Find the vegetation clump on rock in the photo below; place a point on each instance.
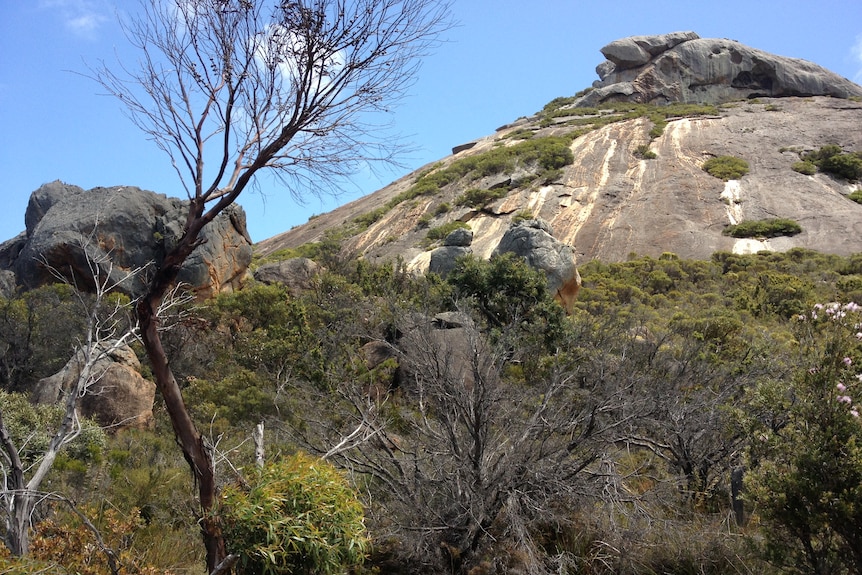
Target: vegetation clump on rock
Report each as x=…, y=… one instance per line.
x=831, y=159
x=726, y=167
x=769, y=228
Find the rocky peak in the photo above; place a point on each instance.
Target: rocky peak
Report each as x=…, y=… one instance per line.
x=683, y=67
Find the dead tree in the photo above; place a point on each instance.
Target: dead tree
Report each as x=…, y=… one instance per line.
x=231, y=88
x=107, y=330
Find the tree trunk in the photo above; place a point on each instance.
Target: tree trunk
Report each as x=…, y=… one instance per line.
x=19, y=500
x=195, y=452
x=18, y=524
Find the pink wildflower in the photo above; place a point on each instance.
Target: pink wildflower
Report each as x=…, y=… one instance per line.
x=845, y=399
x=854, y=412
x=841, y=387
x=848, y=361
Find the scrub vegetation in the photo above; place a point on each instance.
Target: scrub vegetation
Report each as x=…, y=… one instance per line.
x=502, y=436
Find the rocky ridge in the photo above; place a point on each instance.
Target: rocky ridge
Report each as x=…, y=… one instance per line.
x=612, y=200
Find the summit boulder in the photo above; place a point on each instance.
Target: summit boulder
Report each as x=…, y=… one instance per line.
x=682, y=67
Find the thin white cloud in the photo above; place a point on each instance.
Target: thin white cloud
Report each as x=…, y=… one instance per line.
x=82, y=18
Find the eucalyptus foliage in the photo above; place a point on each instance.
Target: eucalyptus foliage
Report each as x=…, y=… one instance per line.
x=297, y=515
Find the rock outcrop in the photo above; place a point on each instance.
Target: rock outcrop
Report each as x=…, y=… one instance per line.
x=127, y=228
x=455, y=245
x=534, y=241
x=120, y=398
x=682, y=67
x=297, y=274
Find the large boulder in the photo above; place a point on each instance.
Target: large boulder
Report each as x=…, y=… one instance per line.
x=455, y=245
x=119, y=398
x=682, y=67
x=124, y=228
x=298, y=275
x=534, y=241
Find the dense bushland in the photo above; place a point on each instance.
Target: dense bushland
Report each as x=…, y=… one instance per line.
x=486, y=432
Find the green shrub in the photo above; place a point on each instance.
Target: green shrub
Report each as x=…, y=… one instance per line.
x=479, y=198
x=298, y=515
x=804, y=167
x=31, y=427
x=522, y=215
x=770, y=228
x=847, y=166
x=645, y=153
x=832, y=160
x=805, y=463
x=726, y=167
x=440, y=232
x=825, y=152
x=856, y=196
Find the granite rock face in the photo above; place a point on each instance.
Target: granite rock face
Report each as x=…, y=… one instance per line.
x=534, y=241
x=124, y=228
x=297, y=274
x=120, y=398
x=682, y=67
x=455, y=245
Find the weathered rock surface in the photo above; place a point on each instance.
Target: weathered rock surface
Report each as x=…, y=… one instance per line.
x=7, y=284
x=120, y=398
x=610, y=203
x=682, y=67
x=455, y=245
x=297, y=274
x=533, y=240
x=126, y=227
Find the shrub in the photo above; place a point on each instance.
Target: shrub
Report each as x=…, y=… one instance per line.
x=479, y=198
x=847, y=166
x=726, y=167
x=298, y=515
x=440, y=232
x=856, y=196
x=522, y=215
x=804, y=167
x=825, y=152
x=645, y=153
x=806, y=462
x=832, y=160
x=770, y=228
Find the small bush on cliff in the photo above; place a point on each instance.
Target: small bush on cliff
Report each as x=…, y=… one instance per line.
x=295, y=516
x=479, y=198
x=847, y=166
x=726, y=167
x=833, y=160
x=770, y=228
x=856, y=196
x=440, y=232
x=643, y=152
x=804, y=167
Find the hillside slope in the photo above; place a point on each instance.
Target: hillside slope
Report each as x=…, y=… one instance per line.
x=609, y=202
x=633, y=181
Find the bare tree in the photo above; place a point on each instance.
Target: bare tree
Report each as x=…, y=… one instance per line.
x=231, y=88
x=466, y=455
x=108, y=329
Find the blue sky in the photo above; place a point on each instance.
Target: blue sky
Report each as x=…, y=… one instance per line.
x=505, y=59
